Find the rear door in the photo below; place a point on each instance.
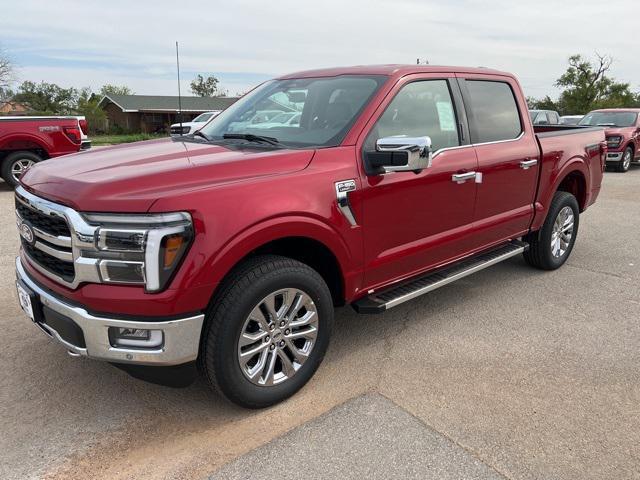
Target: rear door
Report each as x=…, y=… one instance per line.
x=413, y=221
x=507, y=154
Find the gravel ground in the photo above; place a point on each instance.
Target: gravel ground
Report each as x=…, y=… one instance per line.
x=533, y=374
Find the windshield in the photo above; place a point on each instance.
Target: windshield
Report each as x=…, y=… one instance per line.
x=203, y=117
x=304, y=112
x=609, y=119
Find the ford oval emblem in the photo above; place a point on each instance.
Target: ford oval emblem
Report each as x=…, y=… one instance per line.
x=26, y=232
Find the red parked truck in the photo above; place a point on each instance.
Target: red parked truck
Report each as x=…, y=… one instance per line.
x=25, y=141
x=622, y=132
x=229, y=249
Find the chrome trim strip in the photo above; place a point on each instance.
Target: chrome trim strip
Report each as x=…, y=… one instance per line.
x=181, y=336
x=409, y=296
x=59, y=254
x=54, y=240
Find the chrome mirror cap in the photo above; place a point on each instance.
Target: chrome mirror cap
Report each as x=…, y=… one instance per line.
x=419, y=154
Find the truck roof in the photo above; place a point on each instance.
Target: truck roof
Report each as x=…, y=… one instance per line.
x=398, y=70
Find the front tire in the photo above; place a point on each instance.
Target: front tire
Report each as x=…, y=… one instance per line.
x=15, y=164
x=551, y=246
x=267, y=331
x=624, y=164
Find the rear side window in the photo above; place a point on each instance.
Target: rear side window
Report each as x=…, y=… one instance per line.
x=494, y=112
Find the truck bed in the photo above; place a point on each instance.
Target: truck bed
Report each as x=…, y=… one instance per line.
x=564, y=144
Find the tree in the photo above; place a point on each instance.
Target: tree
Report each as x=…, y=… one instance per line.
x=109, y=89
x=47, y=98
x=5, y=94
x=6, y=70
x=586, y=86
x=88, y=105
x=542, y=104
x=205, y=87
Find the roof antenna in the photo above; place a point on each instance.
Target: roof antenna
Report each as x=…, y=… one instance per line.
x=179, y=96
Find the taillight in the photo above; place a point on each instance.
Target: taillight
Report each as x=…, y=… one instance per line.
x=84, y=126
x=74, y=134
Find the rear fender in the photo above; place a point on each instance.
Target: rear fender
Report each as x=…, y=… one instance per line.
x=575, y=164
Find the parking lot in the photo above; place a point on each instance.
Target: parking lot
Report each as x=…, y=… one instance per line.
x=510, y=373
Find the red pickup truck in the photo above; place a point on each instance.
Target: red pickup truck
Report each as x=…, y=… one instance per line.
x=623, y=134
x=28, y=140
x=228, y=249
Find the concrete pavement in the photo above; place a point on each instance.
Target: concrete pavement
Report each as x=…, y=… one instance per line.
x=530, y=374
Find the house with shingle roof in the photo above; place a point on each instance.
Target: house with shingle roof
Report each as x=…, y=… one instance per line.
x=154, y=113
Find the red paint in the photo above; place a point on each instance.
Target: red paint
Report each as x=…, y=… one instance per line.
x=48, y=136
x=243, y=199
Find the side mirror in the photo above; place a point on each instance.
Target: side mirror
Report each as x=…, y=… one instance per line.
x=399, y=154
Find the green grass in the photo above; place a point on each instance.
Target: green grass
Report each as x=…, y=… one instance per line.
x=124, y=138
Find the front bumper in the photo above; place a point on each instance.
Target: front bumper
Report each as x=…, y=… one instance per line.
x=614, y=156
x=88, y=335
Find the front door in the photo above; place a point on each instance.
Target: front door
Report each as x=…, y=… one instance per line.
x=415, y=221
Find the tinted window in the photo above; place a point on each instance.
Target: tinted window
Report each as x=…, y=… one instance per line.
x=419, y=109
x=494, y=112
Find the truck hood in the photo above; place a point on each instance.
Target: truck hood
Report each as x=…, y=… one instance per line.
x=129, y=178
x=624, y=131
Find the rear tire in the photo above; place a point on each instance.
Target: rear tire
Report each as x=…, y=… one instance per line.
x=15, y=164
x=624, y=164
x=551, y=246
x=257, y=349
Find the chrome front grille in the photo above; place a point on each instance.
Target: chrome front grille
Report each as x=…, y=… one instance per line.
x=50, y=249
x=52, y=225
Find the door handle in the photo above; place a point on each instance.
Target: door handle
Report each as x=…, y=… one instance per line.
x=463, y=177
x=527, y=164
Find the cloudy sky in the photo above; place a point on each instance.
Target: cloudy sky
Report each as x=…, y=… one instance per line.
x=243, y=42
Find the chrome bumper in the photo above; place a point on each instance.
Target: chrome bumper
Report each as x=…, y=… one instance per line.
x=181, y=336
x=614, y=157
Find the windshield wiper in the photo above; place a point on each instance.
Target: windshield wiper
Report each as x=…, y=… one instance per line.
x=200, y=134
x=252, y=138
x=607, y=125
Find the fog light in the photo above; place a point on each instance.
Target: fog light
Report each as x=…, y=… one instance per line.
x=113, y=271
x=135, y=337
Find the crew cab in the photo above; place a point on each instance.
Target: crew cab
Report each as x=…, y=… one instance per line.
x=622, y=129
x=228, y=250
x=25, y=141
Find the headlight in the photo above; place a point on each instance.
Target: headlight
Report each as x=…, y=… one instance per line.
x=614, y=141
x=139, y=249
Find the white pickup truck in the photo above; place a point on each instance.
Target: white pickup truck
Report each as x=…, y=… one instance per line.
x=185, y=128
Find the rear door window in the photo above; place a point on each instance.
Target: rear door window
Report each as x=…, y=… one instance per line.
x=493, y=112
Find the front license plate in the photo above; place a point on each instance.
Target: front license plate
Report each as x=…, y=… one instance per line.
x=25, y=301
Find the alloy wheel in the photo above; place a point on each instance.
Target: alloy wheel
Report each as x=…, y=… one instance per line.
x=277, y=337
x=562, y=232
x=19, y=167
x=626, y=159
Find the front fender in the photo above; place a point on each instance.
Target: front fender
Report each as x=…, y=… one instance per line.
x=264, y=232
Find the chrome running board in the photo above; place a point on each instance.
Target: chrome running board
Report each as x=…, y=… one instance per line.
x=383, y=300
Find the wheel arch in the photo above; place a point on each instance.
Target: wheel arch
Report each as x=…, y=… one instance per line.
x=574, y=182
x=304, y=239
x=28, y=143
